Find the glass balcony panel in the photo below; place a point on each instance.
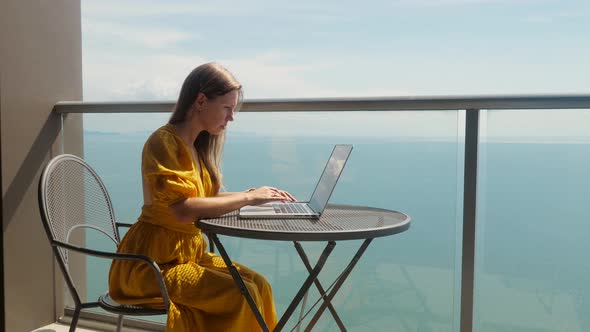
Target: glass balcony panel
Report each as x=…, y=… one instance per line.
x=406, y=161
x=531, y=266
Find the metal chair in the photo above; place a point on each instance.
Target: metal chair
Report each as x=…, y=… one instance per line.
x=72, y=198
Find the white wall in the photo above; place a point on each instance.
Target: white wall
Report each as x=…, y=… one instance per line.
x=40, y=64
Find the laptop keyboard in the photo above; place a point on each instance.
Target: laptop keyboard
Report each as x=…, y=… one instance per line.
x=289, y=208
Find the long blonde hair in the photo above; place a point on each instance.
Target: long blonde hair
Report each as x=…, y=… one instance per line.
x=213, y=81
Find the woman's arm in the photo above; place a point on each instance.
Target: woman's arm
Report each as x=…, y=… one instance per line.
x=190, y=209
x=228, y=193
x=194, y=208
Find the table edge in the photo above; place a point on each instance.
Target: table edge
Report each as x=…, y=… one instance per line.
x=278, y=235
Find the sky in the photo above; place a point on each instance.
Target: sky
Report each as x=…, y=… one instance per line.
x=142, y=50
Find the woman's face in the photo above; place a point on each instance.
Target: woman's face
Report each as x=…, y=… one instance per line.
x=216, y=113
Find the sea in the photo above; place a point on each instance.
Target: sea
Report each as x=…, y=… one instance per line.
x=533, y=224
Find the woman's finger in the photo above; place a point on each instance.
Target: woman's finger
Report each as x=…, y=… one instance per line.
x=289, y=196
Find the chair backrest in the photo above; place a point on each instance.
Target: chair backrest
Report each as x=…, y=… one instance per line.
x=72, y=198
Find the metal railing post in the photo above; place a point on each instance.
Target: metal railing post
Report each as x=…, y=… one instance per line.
x=469, y=215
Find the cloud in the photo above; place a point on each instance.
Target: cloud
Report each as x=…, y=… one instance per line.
x=131, y=77
x=263, y=75
x=158, y=88
x=153, y=37
x=458, y=2
x=552, y=17
x=142, y=8
x=219, y=8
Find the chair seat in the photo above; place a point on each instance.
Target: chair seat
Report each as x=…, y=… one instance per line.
x=108, y=304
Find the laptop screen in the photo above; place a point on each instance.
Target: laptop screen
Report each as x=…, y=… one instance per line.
x=329, y=177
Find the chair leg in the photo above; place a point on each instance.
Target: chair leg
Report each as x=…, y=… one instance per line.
x=119, y=323
x=75, y=319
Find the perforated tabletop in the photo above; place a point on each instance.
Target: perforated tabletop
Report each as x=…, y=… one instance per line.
x=338, y=222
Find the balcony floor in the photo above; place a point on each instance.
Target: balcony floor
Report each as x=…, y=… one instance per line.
x=56, y=327
x=96, y=327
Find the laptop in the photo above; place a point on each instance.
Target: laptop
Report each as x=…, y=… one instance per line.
x=316, y=205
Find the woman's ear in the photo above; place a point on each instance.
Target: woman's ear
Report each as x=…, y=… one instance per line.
x=201, y=98
x=198, y=104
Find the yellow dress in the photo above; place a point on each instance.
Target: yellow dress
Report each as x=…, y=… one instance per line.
x=202, y=293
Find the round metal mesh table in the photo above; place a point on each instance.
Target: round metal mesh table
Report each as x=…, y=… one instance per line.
x=338, y=222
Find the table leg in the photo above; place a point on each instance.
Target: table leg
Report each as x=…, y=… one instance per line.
x=305, y=287
x=338, y=284
x=318, y=285
x=240, y=282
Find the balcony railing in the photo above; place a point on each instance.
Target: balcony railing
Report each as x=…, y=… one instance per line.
x=475, y=122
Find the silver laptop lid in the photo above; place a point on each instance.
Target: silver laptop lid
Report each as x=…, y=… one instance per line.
x=329, y=178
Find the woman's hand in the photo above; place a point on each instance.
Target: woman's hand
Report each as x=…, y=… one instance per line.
x=268, y=194
x=193, y=208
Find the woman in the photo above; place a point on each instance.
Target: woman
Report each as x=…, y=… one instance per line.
x=181, y=183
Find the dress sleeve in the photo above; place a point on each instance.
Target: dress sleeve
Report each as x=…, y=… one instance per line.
x=167, y=166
